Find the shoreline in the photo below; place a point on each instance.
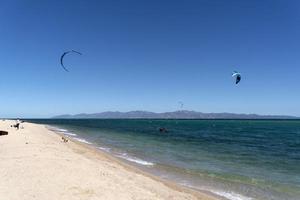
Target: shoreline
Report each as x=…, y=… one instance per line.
x=183, y=157
x=138, y=183
x=132, y=167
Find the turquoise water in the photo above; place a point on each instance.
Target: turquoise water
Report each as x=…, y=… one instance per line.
x=236, y=159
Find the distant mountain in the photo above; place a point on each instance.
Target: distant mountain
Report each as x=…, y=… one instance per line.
x=181, y=114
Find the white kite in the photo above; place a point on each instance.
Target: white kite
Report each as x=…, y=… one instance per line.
x=237, y=76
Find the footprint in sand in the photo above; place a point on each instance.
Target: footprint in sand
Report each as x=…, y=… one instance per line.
x=104, y=174
x=77, y=191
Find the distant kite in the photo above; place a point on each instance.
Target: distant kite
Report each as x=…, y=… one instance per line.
x=237, y=76
x=62, y=58
x=181, y=104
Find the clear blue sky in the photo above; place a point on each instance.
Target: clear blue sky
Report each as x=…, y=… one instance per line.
x=148, y=55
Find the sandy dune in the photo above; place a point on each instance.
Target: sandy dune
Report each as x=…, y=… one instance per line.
x=36, y=164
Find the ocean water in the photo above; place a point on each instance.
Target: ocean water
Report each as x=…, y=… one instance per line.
x=235, y=159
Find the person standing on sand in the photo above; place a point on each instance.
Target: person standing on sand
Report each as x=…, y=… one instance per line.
x=17, y=125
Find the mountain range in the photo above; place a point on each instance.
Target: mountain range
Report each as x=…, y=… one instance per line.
x=180, y=114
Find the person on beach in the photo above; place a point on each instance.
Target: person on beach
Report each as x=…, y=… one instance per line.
x=17, y=126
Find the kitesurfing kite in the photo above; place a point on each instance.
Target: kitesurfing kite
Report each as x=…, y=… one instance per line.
x=181, y=104
x=237, y=76
x=62, y=58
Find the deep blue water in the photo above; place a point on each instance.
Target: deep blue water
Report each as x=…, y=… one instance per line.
x=237, y=159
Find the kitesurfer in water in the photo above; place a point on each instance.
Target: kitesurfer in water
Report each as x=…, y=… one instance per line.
x=163, y=130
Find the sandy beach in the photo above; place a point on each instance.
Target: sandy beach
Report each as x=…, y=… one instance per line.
x=36, y=164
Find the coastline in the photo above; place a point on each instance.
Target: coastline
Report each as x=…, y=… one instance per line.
x=38, y=165
x=133, y=168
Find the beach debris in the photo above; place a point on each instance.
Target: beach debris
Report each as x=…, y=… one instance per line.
x=237, y=76
x=64, y=139
x=3, y=133
x=62, y=58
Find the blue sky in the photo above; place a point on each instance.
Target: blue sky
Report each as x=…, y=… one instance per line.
x=148, y=55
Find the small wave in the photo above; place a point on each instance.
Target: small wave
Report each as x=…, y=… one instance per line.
x=104, y=149
x=231, y=195
x=82, y=140
x=61, y=130
x=227, y=195
x=64, y=131
x=136, y=160
x=70, y=134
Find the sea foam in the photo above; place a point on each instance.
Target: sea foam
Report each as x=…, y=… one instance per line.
x=82, y=140
x=70, y=134
x=231, y=195
x=64, y=131
x=61, y=130
x=135, y=160
x=104, y=149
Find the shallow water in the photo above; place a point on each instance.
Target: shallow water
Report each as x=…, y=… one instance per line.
x=236, y=159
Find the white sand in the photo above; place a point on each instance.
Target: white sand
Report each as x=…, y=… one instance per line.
x=36, y=164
